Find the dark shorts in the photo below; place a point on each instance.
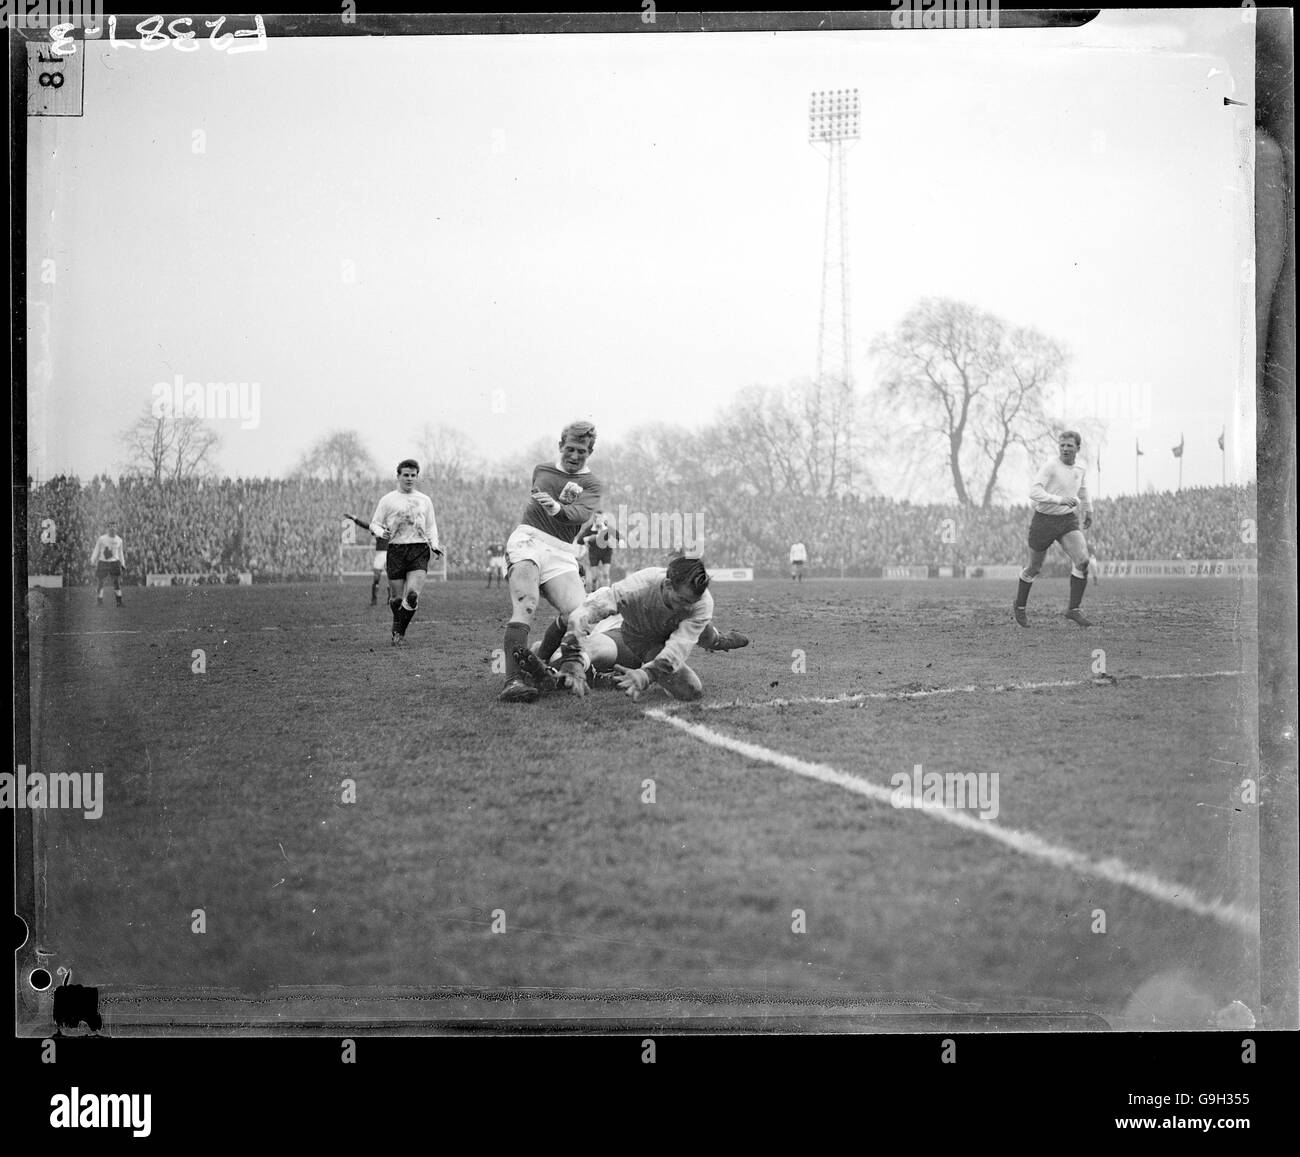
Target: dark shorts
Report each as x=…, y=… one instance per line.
x=1045, y=529
x=627, y=655
x=600, y=556
x=108, y=570
x=406, y=557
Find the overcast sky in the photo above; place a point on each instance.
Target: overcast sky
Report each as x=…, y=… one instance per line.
x=382, y=232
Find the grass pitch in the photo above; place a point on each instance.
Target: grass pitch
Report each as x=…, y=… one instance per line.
x=512, y=848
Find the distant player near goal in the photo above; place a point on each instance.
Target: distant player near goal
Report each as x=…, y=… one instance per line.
x=378, y=564
x=798, y=557
x=540, y=552
x=600, y=552
x=496, y=563
x=108, y=556
x=405, y=518
x=1057, y=495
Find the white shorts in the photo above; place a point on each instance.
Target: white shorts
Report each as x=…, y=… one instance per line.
x=380, y=561
x=553, y=557
x=497, y=563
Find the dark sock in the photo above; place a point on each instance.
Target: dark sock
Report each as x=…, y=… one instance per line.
x=551, y=640
x=1076, y=590
x=374, y=591
x=404, y=619
x=395, y=605
x=516, y=637
x=1022, y=594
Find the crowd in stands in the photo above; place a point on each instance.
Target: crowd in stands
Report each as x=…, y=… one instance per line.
x=292, y=529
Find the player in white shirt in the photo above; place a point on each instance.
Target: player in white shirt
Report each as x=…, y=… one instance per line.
x=1058, y=493
x=798, y=556
x=108, y=556
x=637, y=632
x=405, y=518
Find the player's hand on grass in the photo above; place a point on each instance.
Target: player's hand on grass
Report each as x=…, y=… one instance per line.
x=631, y=682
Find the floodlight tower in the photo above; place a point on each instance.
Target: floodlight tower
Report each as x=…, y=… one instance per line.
x=833, y=120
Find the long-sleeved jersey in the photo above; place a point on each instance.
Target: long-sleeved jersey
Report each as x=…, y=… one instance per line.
x=647, y=621
x=1057, y=481
x=108, y=548
x=406, y=517
x=578, y=495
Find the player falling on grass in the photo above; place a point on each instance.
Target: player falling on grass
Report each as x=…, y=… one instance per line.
x=635, y=634
x=405, y=518
x=108, y=556
x=378, y=564
x=496, y=563
x=540, y=552
x=1057, y=494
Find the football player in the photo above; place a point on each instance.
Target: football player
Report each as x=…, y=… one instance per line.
x=1057, y=494
x=404, y=517
x=635, y=633
x=540, y=553
x=798, y=557
x=108, y=556
x=496, y=563
x=378, y=564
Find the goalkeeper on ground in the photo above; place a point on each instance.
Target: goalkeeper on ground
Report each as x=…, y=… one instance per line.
x=633, y=634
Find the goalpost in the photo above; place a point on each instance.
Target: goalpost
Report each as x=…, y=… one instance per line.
x=356, y=561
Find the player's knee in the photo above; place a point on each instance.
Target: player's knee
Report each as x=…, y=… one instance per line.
x=1030, y=573
x=526, y=604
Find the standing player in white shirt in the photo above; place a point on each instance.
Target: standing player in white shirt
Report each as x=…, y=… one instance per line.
x=108, y=556
x=1057, y=495
x=405, y=518
x=798, y=556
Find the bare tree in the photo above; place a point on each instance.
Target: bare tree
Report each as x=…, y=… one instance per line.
x=338, y=457
x=963, y=381
x=445, y=453
x=798, y=441
x=170, y=448
x=1015, y=414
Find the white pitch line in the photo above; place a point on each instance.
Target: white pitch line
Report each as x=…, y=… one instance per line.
x=1174, y=894
x=996, y=689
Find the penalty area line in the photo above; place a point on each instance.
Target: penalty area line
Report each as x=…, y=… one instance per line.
x=1113, y=870
x=968, y=689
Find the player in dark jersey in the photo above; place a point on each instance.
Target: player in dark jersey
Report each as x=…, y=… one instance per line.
x=541, y=554
x=378, y=563
x=600, y=553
